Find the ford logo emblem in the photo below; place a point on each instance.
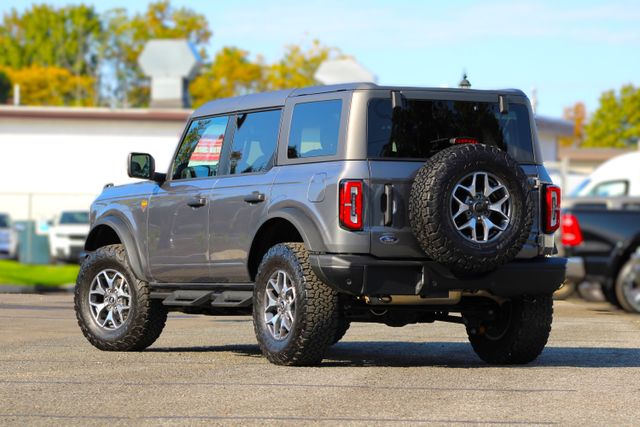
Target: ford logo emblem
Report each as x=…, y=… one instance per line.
x=388, y=239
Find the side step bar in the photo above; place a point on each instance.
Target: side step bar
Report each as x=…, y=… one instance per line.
x=203, y=295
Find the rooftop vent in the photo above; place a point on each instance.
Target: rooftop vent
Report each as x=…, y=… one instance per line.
x=338, y=71
x=171, y=64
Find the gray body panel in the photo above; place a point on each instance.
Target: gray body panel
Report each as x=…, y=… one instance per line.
x=177, y=233
x=174, y=242
x=234, y=222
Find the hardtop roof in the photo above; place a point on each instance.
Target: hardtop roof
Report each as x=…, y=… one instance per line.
x=278, y=98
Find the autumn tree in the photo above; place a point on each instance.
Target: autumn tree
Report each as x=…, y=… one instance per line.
x=51, y=86
x=230, y=73
x=616, y=122
x=577, y=114
x=126, y=36
x=45, y=36
x=298, y=66
x=97, y=56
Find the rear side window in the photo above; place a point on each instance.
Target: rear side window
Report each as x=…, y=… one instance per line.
x=428, y=126
x=254, y=142
x=4, y=221
x=314, y=129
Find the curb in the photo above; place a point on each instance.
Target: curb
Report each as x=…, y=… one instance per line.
x=36, y=289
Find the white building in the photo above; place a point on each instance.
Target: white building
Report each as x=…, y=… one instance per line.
x=550, y=130
x=60, y=158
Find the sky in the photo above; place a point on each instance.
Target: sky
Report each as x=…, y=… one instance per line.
x=568, y=51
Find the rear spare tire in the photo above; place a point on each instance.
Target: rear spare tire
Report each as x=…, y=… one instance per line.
x=470, y=208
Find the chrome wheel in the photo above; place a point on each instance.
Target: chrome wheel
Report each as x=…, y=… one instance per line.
x=481, y=207
x=110, y=299
x=631, y=284
x=279, y=303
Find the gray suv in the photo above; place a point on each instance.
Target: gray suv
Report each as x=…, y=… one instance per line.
x=314, y=208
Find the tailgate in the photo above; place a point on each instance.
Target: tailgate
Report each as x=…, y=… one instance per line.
x=389, y=193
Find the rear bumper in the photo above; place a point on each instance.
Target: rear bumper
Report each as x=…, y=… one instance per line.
x=366, y=275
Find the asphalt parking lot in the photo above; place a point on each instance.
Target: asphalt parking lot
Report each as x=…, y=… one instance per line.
x=208, y=370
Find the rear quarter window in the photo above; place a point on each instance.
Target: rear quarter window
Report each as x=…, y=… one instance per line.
x=428, y=126
x=315, y=129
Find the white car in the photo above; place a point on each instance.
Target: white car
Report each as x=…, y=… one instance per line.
x=569, y=182
x=67, y=235
x=617, y=177
x=8, y=237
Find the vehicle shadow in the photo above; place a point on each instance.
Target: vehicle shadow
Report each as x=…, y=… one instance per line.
x=445, y=354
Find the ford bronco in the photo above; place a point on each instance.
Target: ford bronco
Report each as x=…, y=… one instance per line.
x=314, y=208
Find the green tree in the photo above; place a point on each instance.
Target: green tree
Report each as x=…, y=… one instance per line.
x=46, y=36
x=5, y=87
x=616, y=122
x=126, y=36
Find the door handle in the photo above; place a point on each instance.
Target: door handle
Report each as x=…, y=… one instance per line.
x=388, y=205
x=255, y=197
x=197, y=202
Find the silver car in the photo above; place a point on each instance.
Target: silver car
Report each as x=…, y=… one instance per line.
x=8, y=237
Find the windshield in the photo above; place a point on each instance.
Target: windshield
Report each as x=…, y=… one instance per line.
x=74, y=218
x=428, y=126
x=5, y=222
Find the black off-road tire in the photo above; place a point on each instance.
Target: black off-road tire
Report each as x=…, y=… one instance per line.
x=316, y=309
x=609, y=291
x=430, y=208
x=146, y=317
x=341, y=330
x=518, y=336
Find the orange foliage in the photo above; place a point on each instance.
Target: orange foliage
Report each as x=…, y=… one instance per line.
x=52, y=86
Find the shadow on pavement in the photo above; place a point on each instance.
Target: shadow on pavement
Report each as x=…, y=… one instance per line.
x=446, y=354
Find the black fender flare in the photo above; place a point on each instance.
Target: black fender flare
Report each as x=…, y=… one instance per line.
x=308, y=230
x=123, y=230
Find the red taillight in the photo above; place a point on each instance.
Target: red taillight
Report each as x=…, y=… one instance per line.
x=463, y=140
x=350, y=204
x=551, y=208
x=571, y=233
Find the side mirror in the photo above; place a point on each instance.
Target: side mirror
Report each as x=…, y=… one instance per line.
x=141, y=165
